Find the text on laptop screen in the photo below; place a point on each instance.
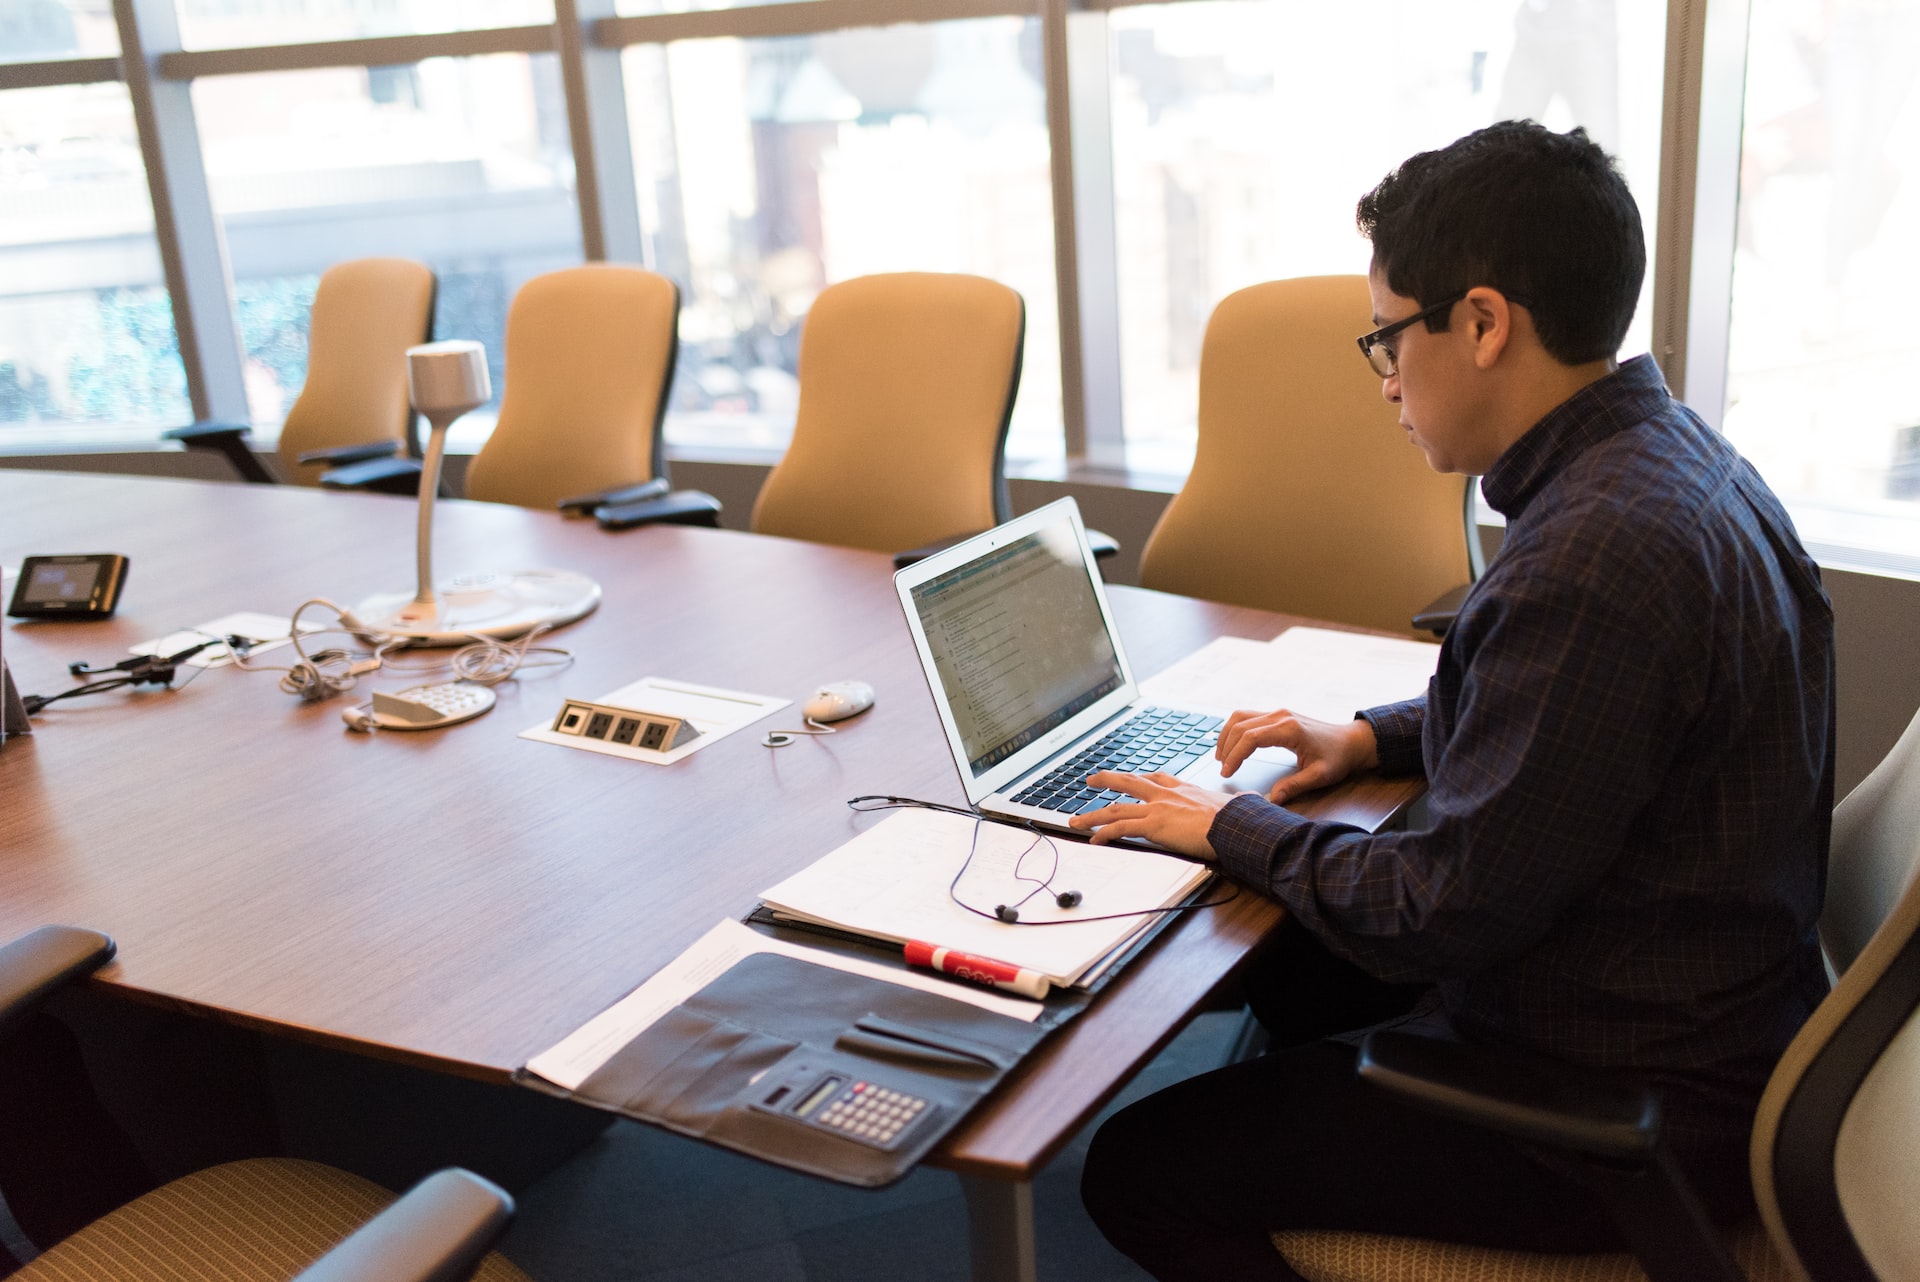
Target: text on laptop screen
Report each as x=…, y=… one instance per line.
x=1018, y=642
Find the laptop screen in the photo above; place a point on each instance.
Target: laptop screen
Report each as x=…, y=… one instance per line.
x=1018, y=641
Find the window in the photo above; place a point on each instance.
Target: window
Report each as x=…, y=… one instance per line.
x=1820, y=393
x=31, y=30
x=463, y=163
x=86, y=334
x=1244, y=131
x=769, y=169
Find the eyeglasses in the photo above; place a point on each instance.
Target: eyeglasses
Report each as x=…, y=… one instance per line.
x=1386, y=361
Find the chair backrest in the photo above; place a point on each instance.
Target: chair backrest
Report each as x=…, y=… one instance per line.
x=589, y=362
x=1305, y=496
x=907, y=382
x=366, y=313
x=1836, y=1146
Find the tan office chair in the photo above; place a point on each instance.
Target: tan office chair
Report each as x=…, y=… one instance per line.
x=1305, y=496
x=366, y=313
x=260, y=1220
x=590, y=357
x=907, y=383
x=590, y=354
x=1836, y=1143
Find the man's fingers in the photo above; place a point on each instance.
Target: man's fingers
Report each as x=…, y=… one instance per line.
x=1306, y=779
x=1120, y=828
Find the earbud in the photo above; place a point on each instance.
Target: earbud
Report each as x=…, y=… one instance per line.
x=1068, y=899
x=1006, y=913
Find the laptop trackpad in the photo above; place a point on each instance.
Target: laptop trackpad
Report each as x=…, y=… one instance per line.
x=1257, y=774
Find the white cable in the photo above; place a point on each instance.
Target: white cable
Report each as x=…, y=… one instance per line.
x=781, y=738
x=325, y=673
x=488, y=661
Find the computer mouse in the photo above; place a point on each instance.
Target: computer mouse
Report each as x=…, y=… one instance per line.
x=838, y=700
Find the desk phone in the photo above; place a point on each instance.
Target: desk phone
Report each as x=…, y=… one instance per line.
x=851, y=1107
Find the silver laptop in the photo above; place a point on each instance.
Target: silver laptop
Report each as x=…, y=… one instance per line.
x=1032, y=684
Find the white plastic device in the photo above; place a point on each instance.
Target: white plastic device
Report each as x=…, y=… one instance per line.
x=421, y=707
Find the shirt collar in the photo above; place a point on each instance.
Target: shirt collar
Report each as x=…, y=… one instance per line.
x=1630, y=395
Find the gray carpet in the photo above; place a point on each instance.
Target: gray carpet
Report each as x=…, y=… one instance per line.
x=642, y=1204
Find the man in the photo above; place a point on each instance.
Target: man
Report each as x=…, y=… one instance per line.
x=1628, y=744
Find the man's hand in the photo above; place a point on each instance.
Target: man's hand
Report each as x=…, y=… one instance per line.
x=1328, y=751
x=1172, y=815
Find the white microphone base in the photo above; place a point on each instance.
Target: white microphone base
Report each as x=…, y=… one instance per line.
x=502, y=605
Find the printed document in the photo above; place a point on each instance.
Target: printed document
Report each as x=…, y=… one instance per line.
x=896, y=882
x=1313, y=671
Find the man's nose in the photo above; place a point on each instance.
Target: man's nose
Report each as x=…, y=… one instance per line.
x=1390, y=389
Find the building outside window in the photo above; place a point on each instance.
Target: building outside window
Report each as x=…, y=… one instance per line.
x=1820, y=393
x=87, y=349
x=769, y=169
x=1244, y=132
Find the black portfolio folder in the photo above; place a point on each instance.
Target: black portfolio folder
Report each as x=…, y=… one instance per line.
x=758, y=1060
x=712, y=1067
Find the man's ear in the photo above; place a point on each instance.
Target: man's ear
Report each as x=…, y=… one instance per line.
x=1490, y=321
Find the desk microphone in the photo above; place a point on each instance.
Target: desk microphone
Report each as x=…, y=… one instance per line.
x=444, y=381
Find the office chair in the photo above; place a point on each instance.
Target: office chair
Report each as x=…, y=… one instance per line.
x=1836, y=1142
x=366, y=313
x=1305, y=496
x=907, y=384
x=590, y=353
x=260, y=1220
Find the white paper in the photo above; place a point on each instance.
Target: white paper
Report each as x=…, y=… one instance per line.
x=1312, y=671
x=714, y=712
x=892, y=881
x=266, y=631
x=582, y=1052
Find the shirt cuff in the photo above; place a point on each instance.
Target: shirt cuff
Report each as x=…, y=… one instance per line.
x=1396, y=735
x=1246, y=834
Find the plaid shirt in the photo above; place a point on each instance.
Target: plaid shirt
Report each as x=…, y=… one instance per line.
x=1629, y=748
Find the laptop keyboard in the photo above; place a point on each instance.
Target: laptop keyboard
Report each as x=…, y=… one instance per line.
x=1152, y=739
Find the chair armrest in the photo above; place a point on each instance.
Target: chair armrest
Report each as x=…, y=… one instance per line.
x=207, y=435
x=42, y=960
x=1437, y=616
x=1603, y=1115
x=617, y=496
x=682, y=507
x=438, y=1232
x=341, y=455
x=901, y=560
x=397, y=475
x=229, y=439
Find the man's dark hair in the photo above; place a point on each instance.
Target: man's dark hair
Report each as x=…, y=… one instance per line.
x=1544, y=218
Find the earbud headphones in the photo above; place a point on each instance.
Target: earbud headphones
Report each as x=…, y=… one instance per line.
x=1010, y=913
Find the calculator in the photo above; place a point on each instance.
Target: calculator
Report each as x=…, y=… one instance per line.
x=854, y=1108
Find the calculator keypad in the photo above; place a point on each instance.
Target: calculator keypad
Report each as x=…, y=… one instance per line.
x=872, y=1114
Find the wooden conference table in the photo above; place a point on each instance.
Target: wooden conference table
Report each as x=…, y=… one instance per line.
x=462, y=899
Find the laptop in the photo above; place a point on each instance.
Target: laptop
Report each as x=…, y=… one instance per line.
x=1033, y=687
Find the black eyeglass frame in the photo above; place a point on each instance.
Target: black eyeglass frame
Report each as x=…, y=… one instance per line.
x=1379, y=337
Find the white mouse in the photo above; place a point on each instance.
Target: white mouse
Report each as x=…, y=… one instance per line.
x=838, y=700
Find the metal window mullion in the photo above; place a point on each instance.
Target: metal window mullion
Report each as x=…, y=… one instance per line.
x=193, y=249
x=602, y=145
x=796, y=18
x=1090, y=223
x=370, y=51
x=1057, y=62
x=61, y=71
x=1716, y=207
x=1701, y=122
